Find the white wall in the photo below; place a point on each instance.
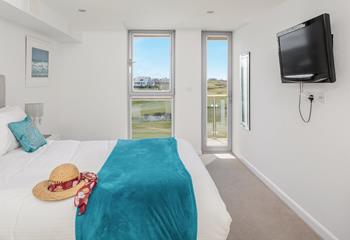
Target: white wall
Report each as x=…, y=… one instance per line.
x=35, y=14
x=309, y=162
x=12, y=65
x=188, y=86
x=93, y=87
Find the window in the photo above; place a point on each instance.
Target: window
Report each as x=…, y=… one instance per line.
x=151, y=84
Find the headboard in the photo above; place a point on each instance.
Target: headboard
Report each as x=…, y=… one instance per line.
x=2, y=91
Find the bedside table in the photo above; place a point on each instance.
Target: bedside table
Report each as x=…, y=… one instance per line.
x=52, y=136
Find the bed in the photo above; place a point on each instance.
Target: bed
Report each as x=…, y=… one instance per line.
x=25, y=217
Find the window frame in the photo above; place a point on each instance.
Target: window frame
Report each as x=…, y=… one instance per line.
x=204, y=56
x=161, y=95
x=146, y=33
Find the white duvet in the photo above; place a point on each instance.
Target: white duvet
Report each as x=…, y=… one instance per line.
x=23, y=217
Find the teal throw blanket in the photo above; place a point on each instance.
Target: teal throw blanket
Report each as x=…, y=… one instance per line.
x=144, y=192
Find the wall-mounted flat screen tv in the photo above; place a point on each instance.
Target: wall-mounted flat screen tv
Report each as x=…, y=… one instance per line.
x=306, y=52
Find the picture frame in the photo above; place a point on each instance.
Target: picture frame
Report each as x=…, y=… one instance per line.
x=38, y=57
x=245, y=89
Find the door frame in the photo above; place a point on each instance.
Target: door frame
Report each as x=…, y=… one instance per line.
x=205, y=148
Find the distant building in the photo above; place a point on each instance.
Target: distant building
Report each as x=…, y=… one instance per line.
x=155, y=117
x=148, y=82
x=143, y=82
x=164, y=80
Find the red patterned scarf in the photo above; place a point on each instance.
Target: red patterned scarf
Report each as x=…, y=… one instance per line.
x=82, y=196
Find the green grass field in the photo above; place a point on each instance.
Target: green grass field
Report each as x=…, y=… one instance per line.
x=217, y=87
x=141, y=128
x=150, y=129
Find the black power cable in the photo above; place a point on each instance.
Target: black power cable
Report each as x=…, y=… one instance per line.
x=311, y=98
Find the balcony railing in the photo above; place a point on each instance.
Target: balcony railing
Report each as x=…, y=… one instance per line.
x=217, y=116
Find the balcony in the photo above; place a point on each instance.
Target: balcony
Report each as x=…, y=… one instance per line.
x=217, y=127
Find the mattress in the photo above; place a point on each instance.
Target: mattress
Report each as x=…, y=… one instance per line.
x=23, y=217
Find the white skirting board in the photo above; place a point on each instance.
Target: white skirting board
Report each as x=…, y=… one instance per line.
x=302, y=213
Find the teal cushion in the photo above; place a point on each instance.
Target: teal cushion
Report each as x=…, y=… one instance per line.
x=27, y=135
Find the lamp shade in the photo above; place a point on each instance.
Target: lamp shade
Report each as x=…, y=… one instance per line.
x=34, y=110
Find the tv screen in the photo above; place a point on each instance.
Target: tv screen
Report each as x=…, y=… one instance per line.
x=306, y=52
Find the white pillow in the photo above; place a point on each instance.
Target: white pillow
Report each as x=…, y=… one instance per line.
x=5, y=109
x=3, y=133
x=8, y=115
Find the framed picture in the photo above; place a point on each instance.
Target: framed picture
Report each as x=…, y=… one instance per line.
x=245, y=89
x=38, y=53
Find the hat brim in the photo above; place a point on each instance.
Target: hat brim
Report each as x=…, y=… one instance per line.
x=41, y=192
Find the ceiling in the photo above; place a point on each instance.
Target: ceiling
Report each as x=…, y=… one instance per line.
x=160, y=14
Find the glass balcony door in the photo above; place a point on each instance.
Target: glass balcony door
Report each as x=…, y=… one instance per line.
x=216, y=92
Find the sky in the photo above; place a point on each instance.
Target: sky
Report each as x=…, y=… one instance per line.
x=217, y=59
x=39, y=55
x=151, y=57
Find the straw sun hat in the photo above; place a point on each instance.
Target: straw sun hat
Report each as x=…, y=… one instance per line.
x=65, y=173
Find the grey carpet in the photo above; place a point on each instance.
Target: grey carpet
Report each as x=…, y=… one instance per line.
x=257, y=213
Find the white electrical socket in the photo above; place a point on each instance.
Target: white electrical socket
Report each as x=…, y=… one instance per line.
x=318, y=96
